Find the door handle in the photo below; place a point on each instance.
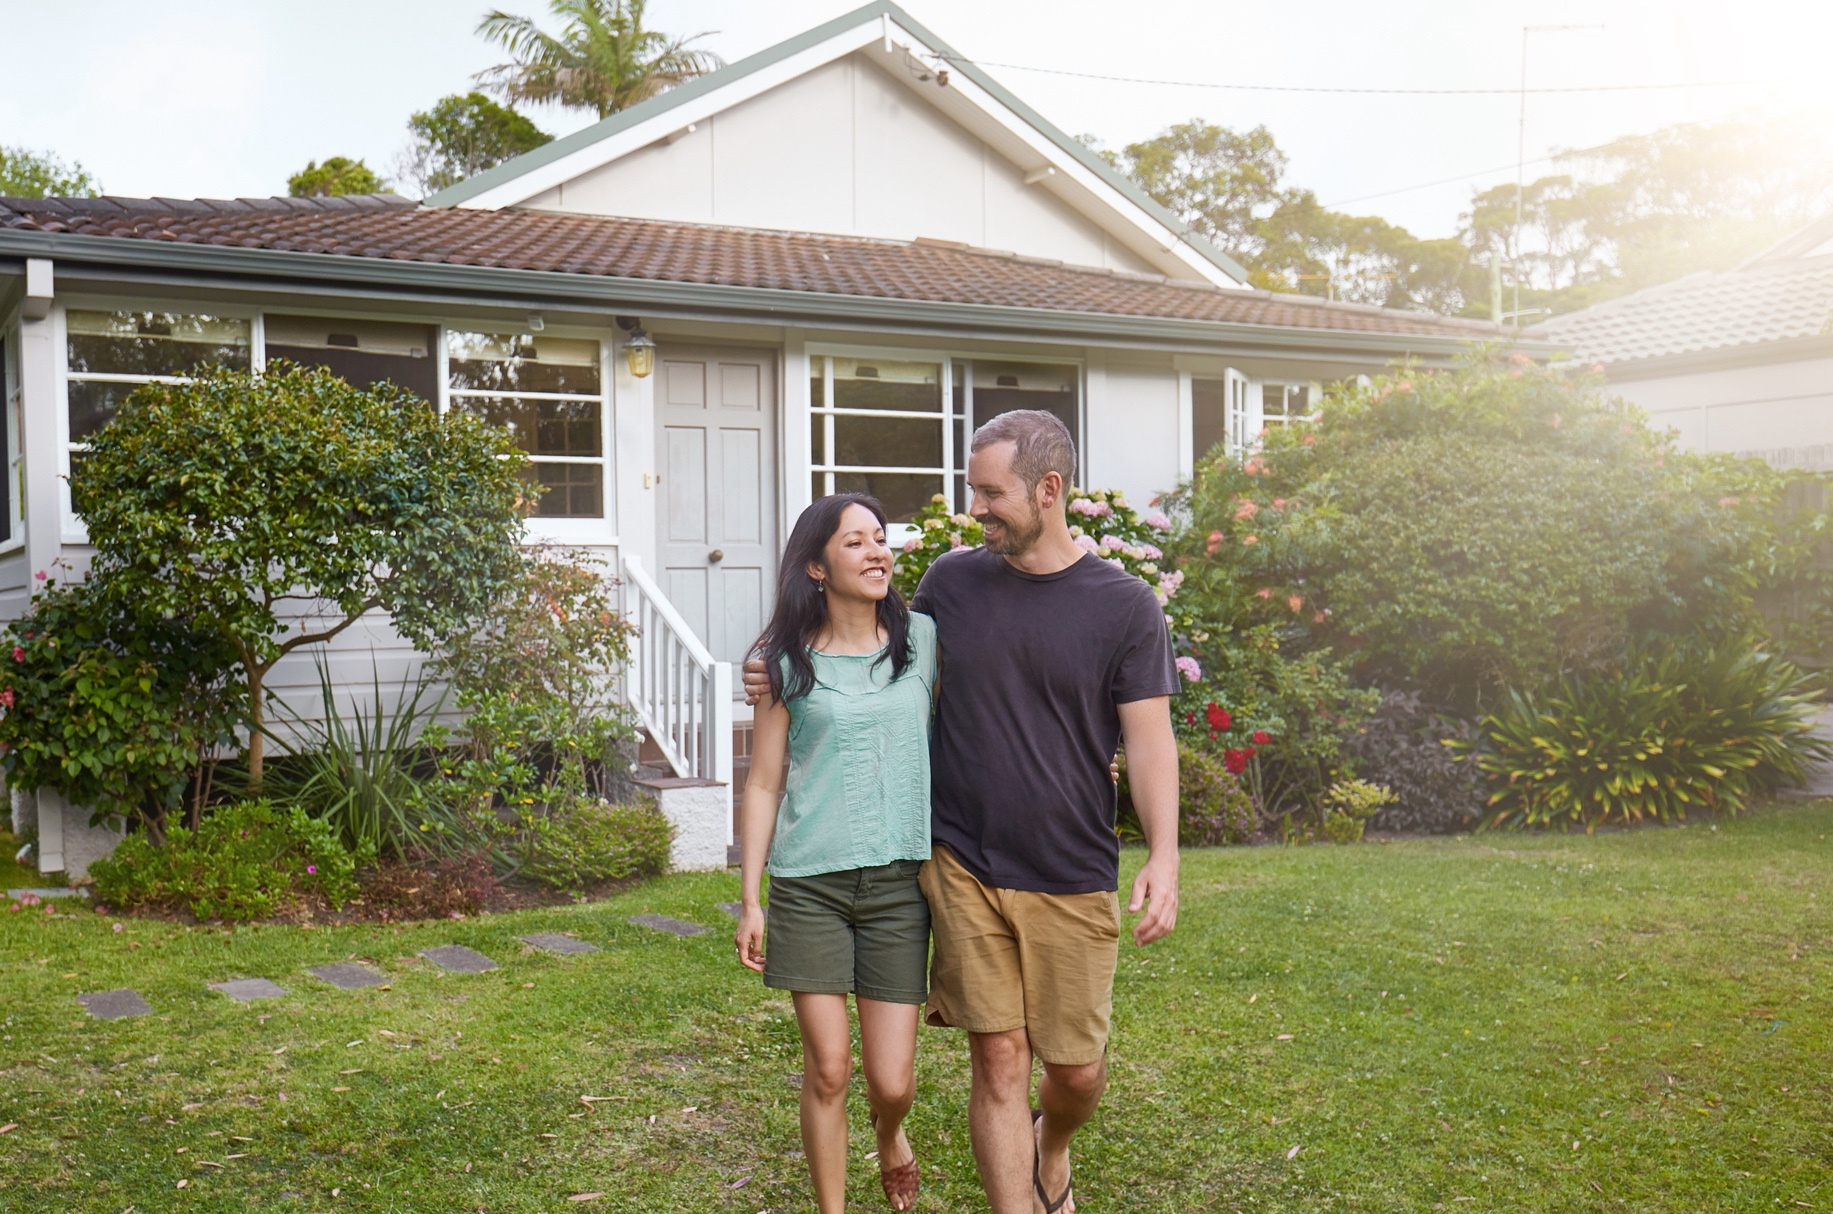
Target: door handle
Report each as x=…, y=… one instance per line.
x=716, y=555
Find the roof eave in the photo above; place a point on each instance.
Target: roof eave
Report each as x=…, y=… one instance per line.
x=762, y=303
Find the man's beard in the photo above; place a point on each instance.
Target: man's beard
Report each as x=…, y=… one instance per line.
x=1014, y=539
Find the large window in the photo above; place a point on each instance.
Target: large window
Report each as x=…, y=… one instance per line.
x=884, y=426
x=112, y=353
x=361, y=352
x=548, y=391
x=1235, y=410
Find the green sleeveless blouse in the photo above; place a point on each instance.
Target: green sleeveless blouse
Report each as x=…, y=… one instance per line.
x=857, y=793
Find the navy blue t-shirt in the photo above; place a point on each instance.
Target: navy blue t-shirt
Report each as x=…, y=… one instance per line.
x=1033, y=671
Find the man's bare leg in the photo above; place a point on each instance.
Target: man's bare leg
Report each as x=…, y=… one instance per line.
x=999, y=1119
x=1068, y=1095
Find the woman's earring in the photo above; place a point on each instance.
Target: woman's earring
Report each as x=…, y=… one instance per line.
x=820, y=586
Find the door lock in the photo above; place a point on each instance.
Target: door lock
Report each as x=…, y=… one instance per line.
x=716, y=555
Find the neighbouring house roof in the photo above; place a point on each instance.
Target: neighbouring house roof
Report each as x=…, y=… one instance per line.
x=1767, y=302
x=384, y=228
x=830, y=39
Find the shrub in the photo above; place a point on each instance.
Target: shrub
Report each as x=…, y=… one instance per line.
x=429, y=888
x=589, y=841
x=1214, y=808
x=1680, y=728
x=117, y=713
x=1402, y=745
x=244, y=861
x=1348, y=805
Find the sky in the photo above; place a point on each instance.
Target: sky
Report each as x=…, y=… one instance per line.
x=203, y=99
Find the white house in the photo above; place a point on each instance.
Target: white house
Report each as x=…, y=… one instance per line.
x=1740, y=362
x=848, y=250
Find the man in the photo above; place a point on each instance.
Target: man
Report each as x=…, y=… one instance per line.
x=1049, y=658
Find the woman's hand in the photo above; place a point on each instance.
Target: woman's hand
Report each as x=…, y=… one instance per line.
x=750, y=937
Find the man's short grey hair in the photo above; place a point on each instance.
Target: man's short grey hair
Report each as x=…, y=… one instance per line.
x=1041, y=444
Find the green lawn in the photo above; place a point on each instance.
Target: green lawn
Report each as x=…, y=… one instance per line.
x=1630, y=1022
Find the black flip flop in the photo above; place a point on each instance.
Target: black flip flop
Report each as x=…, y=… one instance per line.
x=1037, y=1178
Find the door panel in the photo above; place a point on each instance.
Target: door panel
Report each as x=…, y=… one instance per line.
x=718, y=530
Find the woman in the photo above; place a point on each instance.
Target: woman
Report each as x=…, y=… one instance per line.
x=843, y=741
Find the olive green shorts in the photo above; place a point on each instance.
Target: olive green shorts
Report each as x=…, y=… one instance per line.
x=863, y=931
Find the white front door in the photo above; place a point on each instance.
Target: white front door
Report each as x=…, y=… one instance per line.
x=716, y=437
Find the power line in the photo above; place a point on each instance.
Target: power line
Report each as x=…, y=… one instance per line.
x=1311, y=88
x=1426, y=185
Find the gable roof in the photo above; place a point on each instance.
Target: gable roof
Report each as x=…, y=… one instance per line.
x=1766, y=305
x=775, y=272
x=521, y=178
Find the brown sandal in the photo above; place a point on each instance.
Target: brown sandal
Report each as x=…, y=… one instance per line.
x=901, y=1182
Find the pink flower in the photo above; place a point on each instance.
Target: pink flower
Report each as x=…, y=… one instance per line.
x=1294, y=602
x=1247, y=509
x=311, y=868
x=18, y=654
x=1091, y=507
x=912, y=544
x=40, y=575
x=1265, y=592
x=1254, y=467
x=1252, y=539
x=1519, y=359
x=1310, y=440
x=1158, y=521
x=1117, y=563
x=1189, y=668
x=1214, y=542
x=1556, y=421
x=6, y=698
x=1279, y=503
x=118, y=927
x=1597, y=368
x=1148, y=552
x=1113, y=543
x=1404, y=387
x=1727, y=501
x=1087, y=543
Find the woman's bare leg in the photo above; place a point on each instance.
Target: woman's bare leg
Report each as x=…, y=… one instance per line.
x=827, y=1069
x=887, y=1048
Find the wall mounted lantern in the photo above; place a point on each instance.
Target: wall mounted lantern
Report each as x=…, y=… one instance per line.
x=640, y=352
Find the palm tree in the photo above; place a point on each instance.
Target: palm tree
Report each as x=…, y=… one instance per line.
x=604, y=59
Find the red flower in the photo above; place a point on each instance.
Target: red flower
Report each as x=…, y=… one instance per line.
x=1190, y=718
x=1219, y=720
x=1262, y=737
x=6, y=698
x=1235, y=761
x=18, y=654
x=1251, y=752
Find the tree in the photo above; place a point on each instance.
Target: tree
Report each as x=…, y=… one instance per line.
x=604, y=59
x=275, y=510
x=28, y=174
x=464, y=134
x=337, y=175
x=1220, y=182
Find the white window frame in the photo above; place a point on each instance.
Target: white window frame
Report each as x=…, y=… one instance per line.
x=1312, y=392
x=12, y=407
x=954, y=463
x=596, y=532
x=601, y=531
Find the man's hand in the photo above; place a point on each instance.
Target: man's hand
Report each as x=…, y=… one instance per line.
x=1155, y=890
x=757, y=682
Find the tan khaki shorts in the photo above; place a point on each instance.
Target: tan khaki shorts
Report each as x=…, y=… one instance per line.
x=1008, y=959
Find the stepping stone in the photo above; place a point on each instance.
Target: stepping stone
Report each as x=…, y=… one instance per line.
x=41, y=894
x=243, y=989
x=457, y=959
x=347, y=975
x=555, y=943
x=662, y=923
x=732, y=909
x=114, y=1005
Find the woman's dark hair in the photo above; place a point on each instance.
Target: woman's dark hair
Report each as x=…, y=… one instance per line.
x=801, y=605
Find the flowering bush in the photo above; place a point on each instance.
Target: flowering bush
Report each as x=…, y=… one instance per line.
x=1214, y=807
x=1100, y=520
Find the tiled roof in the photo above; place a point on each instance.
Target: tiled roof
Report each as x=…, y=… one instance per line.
x=1760, y=302
x=385, y=227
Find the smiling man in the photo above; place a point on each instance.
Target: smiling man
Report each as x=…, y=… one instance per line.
x=1050, y=657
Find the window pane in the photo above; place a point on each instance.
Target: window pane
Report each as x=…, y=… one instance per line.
x=93, y=405
x=573, y=490
x=896, y=442
x=901, y=493
x=511, y=362
x=153, y=343
x=542, y=427
x=1208, y=414
x=818, y=438
x=873, y=383
x=1002, y=387
x=361, y=352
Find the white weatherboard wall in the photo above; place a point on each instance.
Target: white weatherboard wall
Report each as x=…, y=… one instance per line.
x=1780, y=411
x=844, y=149
x=1131, y=426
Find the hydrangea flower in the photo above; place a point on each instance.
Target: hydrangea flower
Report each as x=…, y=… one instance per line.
x=1112, y=543
x=1190, y=669
x=1157, y=521
x=1090, y=507
x=1117, y=563
x=1087, y=543
x=912, y=544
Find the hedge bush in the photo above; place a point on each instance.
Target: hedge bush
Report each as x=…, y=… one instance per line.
x=1402, y=745
x=588, y=841
x=245, y=861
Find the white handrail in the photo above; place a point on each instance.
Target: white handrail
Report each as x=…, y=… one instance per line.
x=681, y=695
